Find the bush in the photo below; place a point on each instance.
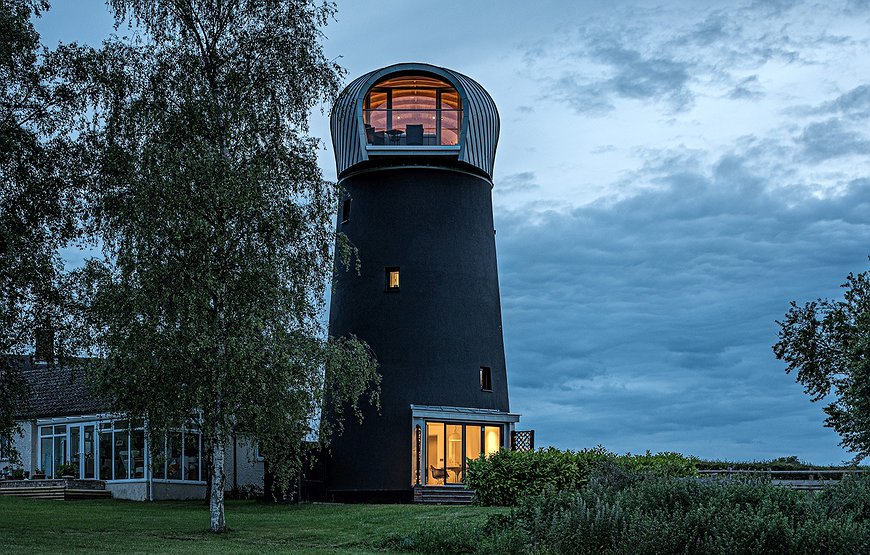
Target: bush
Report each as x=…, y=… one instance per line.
x=692, y=516
x=503, y=478
x=666, y=515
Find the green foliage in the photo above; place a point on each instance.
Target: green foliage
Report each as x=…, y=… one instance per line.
x=68, y=469
x=40, y=193
x=669, y=515
x=827, y=343
x=780, y=463
x=504, y=477
x=216, y=226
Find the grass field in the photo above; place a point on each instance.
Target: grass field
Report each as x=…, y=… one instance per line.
x=108, y=526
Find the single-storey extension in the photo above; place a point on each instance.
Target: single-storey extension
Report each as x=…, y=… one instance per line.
x=68, y=431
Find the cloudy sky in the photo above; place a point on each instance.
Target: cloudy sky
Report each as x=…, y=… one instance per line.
x=669, y=176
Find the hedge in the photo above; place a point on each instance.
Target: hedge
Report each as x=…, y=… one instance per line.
x=506, y=476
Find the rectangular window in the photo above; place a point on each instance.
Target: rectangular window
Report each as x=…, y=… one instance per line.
x=122, y=455
x=455, y=458
x=436, y=471
x=392, y=275
x=345, y=211
x=158, y=461
x=485, y=378
x=137, y=453
x=492, y=439
x=472, y=442
x=173, y=471
x=191, y=457
x=105, y=454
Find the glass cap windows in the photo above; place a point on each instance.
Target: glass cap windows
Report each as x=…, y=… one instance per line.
x=412, y=111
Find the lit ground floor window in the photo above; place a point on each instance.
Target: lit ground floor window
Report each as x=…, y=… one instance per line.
x=449, y=445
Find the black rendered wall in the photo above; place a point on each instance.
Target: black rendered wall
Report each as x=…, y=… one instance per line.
x=432, y=336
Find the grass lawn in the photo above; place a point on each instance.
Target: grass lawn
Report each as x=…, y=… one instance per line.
x=109, y=526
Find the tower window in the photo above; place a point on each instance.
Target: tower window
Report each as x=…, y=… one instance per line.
x=345, y=211
x=392, y=279
x=485, y=378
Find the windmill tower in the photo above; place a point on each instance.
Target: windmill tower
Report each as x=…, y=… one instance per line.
x=415, y=147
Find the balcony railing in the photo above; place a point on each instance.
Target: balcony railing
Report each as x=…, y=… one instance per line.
x=412, y=128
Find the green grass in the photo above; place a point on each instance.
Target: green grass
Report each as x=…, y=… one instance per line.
x=108, y=526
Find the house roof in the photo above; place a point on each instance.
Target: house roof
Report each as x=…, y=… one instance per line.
x=56, y=390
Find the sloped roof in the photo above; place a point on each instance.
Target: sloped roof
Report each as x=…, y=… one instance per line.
x=56, y=390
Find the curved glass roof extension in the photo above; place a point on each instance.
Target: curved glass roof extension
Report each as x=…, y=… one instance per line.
x=412, y=112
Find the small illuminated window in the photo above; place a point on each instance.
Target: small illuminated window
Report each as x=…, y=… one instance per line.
x=345, y=211
x=392, y=275
x=485, y=378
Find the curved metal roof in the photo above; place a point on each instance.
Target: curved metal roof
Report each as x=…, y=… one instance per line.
x=480, y=122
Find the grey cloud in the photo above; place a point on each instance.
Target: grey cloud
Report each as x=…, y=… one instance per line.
x=747, y=88
x=633, y=76
x=646, y=322
x=855, y=102
x=647, y=77
x=831, y=139
x=515, y=183
x=627, y=57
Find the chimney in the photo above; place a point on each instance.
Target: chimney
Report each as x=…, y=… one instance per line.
x=44, y=344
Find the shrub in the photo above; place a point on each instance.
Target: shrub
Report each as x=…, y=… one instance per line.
x=686, y=515
x=506, y=476
x=68, y=469
x=501, y=478
x=666, y=515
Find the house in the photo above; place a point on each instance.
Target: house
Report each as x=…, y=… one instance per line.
x=65, y=422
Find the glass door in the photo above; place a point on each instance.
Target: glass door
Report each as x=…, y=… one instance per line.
x=455, y=458
x=88, y=457
x=75, y=445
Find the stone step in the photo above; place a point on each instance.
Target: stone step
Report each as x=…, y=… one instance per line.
x=443, y=495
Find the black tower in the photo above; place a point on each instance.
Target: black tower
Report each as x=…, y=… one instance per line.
x=415, y=146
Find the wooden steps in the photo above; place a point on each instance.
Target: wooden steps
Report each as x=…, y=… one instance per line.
x=443, y=495
x=63, y=489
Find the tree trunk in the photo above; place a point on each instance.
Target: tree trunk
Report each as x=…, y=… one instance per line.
x=216, y=503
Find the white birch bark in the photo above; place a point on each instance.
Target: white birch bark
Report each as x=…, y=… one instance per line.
x=216, y=505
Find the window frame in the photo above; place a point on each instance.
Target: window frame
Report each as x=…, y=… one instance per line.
x=486, y=379
x=110, y=427
x=424, y=448
x=345, y=210
x=388, y=270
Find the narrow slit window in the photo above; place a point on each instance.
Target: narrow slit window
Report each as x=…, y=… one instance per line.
x=485, y=378
x=345, y=211
x=392, y=275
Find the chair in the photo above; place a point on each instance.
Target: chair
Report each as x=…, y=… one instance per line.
x=373, y=137
x=437, y=473
x=413, y=134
